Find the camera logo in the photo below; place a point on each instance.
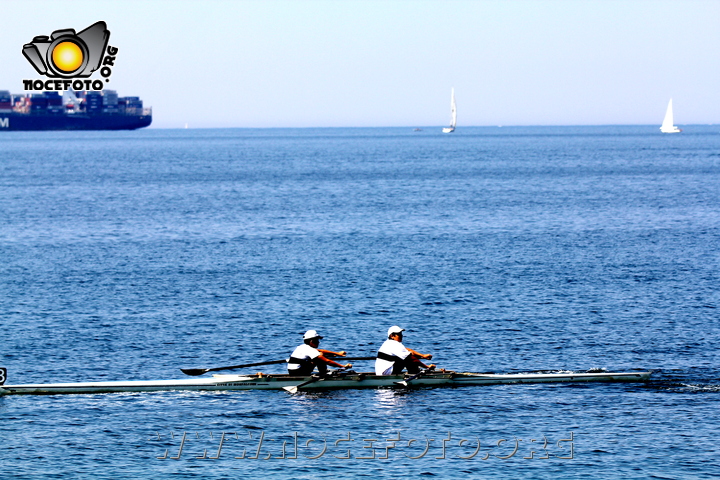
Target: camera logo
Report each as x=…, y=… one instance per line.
x=68, y=55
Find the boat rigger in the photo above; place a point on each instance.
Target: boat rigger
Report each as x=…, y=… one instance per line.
x=341, y=380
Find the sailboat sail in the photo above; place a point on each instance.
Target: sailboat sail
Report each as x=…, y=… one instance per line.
x=453, y=113
x=667, y=125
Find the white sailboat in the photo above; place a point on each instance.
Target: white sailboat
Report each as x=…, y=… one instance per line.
x=453, y=114
x=667, y=125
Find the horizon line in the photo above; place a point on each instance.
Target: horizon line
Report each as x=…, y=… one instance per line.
x=439, y=127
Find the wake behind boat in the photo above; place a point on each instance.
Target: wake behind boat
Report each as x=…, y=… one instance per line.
x=349, y=379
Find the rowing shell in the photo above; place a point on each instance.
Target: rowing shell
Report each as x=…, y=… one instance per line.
x=348, y=380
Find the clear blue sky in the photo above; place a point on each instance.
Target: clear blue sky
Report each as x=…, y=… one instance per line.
x=314, y=63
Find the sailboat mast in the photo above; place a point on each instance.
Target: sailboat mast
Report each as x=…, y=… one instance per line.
x=453, y=109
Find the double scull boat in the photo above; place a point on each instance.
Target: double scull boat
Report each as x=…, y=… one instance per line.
x=349, y=379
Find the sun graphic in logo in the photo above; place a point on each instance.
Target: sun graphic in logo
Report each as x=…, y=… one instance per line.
x=67, y=56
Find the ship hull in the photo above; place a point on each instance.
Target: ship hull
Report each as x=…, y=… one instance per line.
x=15, y=122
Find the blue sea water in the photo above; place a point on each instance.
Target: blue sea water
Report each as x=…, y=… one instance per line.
x=128, y=255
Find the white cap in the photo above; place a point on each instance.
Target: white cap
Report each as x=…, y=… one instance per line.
x=311, y=334
x=395, y=329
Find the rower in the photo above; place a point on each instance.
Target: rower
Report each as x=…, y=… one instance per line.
x=393, y=356
x=307, y=356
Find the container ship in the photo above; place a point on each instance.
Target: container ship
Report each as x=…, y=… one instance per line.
x=72, y=111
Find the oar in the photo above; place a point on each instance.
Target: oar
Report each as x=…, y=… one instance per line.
x=313, y=379
x=405, y=382
x=199, y=371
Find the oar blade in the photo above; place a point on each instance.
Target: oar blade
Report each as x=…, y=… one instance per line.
x=403, y=383
x=292, y=389
x=194, y=372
